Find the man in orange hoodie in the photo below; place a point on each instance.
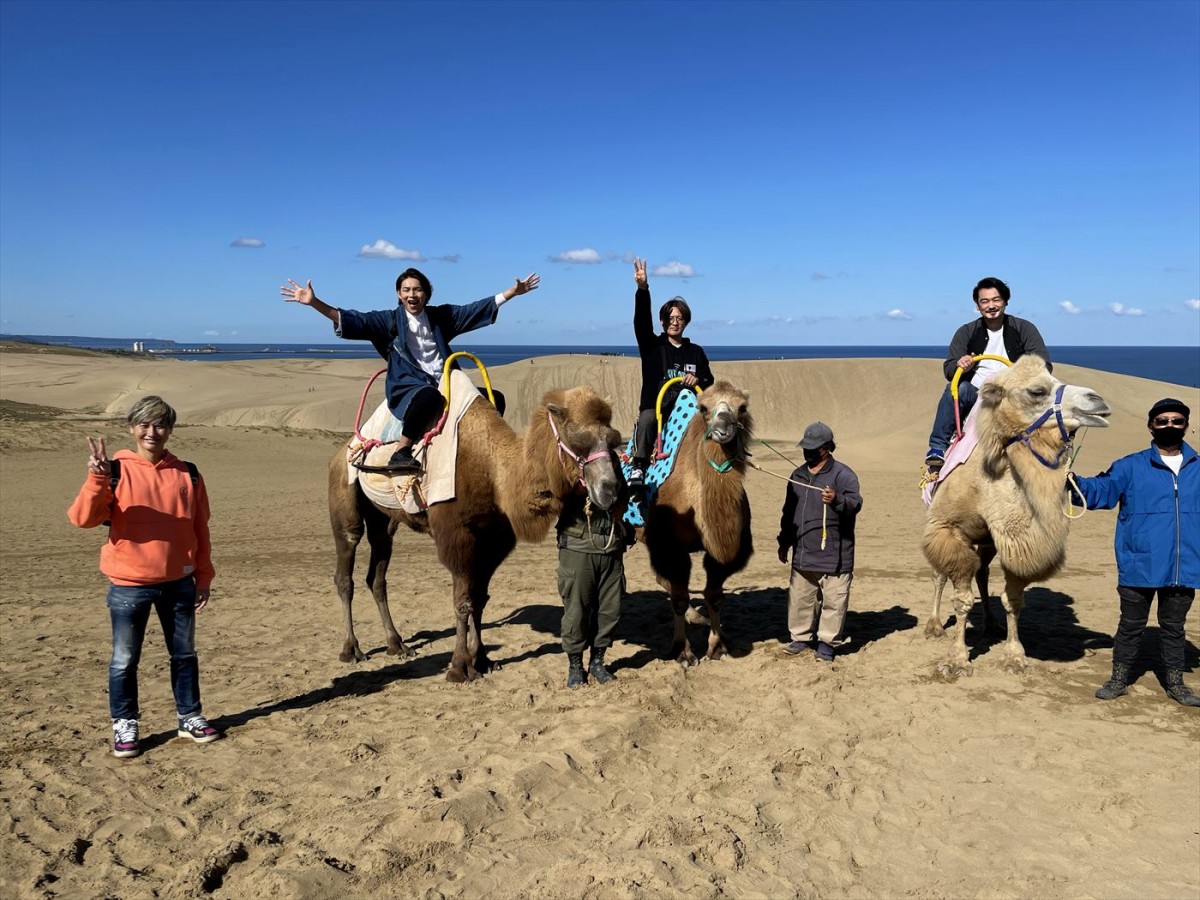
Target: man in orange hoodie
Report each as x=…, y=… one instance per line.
x=157, y=557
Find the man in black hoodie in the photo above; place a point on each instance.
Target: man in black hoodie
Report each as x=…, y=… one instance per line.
x=664, y=356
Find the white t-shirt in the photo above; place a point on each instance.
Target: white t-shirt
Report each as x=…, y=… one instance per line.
x=986, y=368
x=1174, y=463
x=419, y=338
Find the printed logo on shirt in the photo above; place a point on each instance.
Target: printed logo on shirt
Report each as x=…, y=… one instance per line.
x=690, y=369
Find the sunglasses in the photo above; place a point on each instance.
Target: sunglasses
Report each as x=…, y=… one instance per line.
x=1170, y=420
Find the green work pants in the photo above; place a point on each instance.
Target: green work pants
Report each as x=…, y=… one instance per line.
x=590, y=585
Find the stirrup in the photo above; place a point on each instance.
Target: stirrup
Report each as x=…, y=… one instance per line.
x=390, y=470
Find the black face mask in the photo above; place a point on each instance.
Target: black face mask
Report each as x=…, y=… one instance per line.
x=1168, y=437
x=812, y=457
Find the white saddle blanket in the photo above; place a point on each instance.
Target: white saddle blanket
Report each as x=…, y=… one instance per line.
x=435, y=484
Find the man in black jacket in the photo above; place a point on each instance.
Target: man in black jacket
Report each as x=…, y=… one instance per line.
x=664, y=356
x=994, y=333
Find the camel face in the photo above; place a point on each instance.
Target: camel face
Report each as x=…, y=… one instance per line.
x=582, y=421
x=726, y=411
x=1023, y=393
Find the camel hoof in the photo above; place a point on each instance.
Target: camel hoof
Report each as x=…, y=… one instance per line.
x=717, y=652
x=954, y=669
x=352, y=653
x=693, y=616
x=401, y=650
x=685, y=657
x=1017, y=666
x=458, y=676
x=934, y=629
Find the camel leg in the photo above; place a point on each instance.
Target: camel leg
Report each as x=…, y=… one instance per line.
x=934, y=628
x=1014, y=601
x=956, y=558
x=466, y=633
x=714, y=600
x=681, y=650
x=346, y=520
x=381, y=532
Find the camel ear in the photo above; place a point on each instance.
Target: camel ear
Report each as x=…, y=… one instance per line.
x=559, y=412
x=991, y=394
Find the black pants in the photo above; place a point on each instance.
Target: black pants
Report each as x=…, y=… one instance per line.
x=425, y=408
x=1173, y=606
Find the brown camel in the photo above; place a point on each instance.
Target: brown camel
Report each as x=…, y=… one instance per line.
x=506, y=490
x=702, y=506
x=1009, y=494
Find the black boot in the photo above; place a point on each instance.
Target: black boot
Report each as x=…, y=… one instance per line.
x=596, y=667
x=1178, y=691
x=575, y=674
x=1117, y=685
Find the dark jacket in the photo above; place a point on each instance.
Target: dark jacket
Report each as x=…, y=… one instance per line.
x=662, y=360
x=387, y=331
x=602, y=532
x=800, y=524
x=1020, y=337
x=1157, y=540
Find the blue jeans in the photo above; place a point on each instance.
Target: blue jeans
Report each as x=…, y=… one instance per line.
x=129, y=607
x=943, y=420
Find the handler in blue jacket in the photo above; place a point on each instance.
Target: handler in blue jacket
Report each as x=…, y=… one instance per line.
x=1157, y=542
x=415, y=340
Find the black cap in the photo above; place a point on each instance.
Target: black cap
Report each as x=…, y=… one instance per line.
x=1168, y=404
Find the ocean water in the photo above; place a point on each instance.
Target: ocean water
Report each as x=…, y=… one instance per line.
x=1177, y=365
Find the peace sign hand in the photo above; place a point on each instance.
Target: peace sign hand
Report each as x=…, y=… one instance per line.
x=639, y=272
x=98, y=463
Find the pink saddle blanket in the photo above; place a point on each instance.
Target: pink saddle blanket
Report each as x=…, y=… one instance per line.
x=958, y=453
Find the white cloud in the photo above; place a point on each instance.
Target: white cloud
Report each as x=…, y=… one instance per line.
x=584, y=256
x=1120, y=309
x=248, y=242
x=1194, y=303
x=450, y=257
x=382, y=249
x=820, y=276
x=212, y=332
x=1068, y=307
x=898, y=314
x=674, y=269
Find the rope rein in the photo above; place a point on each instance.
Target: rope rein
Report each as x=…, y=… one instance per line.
x=811, y=487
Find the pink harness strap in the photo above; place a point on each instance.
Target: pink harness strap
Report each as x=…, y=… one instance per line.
x=564, y=449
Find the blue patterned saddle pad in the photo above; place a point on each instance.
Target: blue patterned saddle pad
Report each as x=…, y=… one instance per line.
x=676, y=425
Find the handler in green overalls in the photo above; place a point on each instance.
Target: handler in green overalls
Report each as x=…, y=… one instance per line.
x=591, y=580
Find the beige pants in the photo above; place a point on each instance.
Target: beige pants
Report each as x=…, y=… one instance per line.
x=817, y=606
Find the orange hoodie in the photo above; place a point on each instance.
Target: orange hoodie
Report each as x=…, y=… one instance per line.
x=159, y=528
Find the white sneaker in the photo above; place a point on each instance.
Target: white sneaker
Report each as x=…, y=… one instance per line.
x=125, y=738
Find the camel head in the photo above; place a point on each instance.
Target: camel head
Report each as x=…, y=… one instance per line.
x=580, y=426
x=1024, y=395
x=725, y=411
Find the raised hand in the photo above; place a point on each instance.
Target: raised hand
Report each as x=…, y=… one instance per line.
x=293, y=293
x=639, y=272
x=98, y=463
x=524, y=286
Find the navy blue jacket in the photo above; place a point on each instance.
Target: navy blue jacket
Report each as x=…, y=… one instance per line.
x=387, y=331
x=1158, y=526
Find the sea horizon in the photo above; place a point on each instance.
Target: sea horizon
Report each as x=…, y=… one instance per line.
x=1176, y=364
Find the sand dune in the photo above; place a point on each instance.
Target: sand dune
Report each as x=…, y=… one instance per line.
x=758, y=776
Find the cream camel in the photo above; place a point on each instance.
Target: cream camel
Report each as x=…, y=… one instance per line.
x=506, y=489
x=702, y=506
x=1009, y=492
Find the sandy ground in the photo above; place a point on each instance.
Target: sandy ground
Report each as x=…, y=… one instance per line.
x=756, y=776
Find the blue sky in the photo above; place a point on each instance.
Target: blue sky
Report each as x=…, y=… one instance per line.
x=803, y=173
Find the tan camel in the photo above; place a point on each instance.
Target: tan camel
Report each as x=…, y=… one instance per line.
x=702, y=506
x=506, y=489
x=1009, y=493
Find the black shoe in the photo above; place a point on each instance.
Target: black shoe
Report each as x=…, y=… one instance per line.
x=1178, y=691
x=637, y=477
x=1116, y=686
x=596, y=668
x=575, y=676
x=403, y=462
x=934, y=460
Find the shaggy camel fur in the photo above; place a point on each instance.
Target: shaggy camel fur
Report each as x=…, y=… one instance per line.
x=506, y=490
x=1009, y=493
x=702, y=506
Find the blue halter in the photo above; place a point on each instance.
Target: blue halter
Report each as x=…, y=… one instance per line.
x=1024, y=436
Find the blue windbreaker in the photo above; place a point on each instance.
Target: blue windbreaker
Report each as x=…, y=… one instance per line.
x=1158, y=526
